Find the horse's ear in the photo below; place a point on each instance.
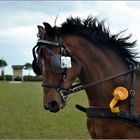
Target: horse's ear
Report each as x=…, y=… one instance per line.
x=41, y=31
x=48, y=27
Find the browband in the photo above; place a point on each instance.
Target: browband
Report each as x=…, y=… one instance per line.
x=48, y=42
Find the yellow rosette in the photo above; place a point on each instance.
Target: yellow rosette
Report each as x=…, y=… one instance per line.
x=119, y=93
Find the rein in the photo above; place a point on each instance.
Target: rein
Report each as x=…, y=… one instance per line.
x=78, y=87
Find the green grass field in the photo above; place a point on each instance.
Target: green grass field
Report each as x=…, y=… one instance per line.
x=22, y=115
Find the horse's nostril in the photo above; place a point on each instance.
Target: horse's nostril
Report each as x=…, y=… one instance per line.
x=53, y=106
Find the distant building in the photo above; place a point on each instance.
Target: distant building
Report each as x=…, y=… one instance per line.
x=17, y=72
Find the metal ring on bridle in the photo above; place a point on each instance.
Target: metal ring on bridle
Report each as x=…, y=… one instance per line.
x=132, y=92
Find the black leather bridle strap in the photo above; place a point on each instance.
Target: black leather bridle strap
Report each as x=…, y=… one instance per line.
x=132, y=93
x=50, y=85
x=33, y=51
x=48, y=42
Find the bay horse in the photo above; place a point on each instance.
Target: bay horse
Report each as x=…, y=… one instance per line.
x=107, y=69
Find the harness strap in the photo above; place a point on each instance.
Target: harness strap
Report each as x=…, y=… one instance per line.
x=132, y=94
x=50, y=85
x=106, y=113
x=48, y=42
x=33, y=51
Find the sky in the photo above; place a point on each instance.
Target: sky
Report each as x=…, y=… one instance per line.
x=19, y=20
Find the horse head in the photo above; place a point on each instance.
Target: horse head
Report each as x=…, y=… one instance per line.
x=55, y=62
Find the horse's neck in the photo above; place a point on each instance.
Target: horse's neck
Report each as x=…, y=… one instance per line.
x=98, y=63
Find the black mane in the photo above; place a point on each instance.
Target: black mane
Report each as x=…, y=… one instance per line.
x=95, y=31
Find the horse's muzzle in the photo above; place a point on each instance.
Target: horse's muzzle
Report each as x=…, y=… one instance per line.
x=52, y=106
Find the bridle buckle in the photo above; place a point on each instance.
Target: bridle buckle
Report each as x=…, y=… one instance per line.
x=64, y=94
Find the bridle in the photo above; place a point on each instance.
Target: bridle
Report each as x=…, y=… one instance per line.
x=64, y=51
x=130, y=73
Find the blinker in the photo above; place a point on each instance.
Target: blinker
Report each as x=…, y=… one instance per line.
x=59, y=63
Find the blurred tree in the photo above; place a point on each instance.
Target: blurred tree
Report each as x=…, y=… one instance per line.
x=28, y=66
x=3, y=64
